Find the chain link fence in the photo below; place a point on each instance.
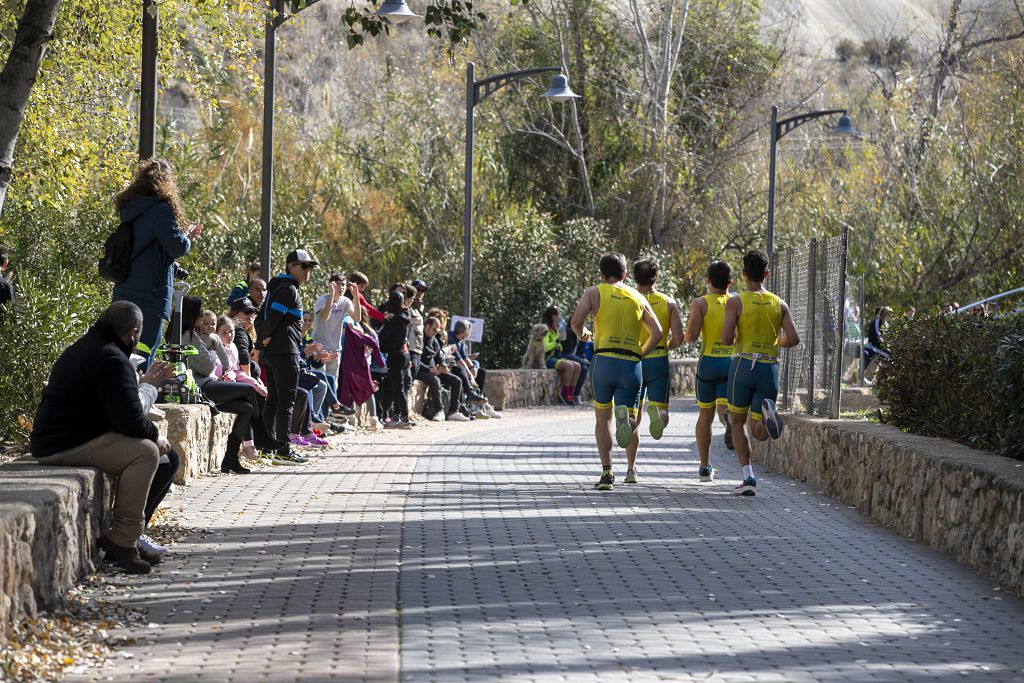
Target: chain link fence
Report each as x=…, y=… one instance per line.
x=812, y=279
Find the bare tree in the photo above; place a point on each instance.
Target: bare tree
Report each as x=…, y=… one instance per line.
x=35, y=30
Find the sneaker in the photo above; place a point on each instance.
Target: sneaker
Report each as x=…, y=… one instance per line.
x=439, y=416
x=623, y=430
x=706, y=473
x=297, y=440
x=127, y=559
x=146, y=543
x=728, y=435
x=392, y=424
x=317, y=441
x=630, y=477
x=476, y=398
x=657, y=422
x=491, y=412
x=288, y=457
x=606, y=482
x=457, y=417
x=338, y=428
x=480, y=414
x=322, y=427
x=562, y=400
x=747, y=487
x=770, y=417
x=343, y=410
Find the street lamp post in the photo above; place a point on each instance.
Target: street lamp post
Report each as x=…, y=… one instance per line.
x=477, y=92
x=147, y=93
x=394, y=12
x=778, y=130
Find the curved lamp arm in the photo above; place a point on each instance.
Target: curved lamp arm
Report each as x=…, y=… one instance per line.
x=483, y=89
x=786, y=125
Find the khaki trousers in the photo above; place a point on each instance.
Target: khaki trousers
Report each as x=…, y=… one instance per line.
x=133, y=462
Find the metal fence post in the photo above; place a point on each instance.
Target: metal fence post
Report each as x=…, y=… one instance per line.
x=812, y=286
x=787, y=369
x=860, y=338
x=837, y=383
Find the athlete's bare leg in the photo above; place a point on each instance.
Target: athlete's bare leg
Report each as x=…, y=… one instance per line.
x=739, y=437
x=704, y=421
x=603, y=434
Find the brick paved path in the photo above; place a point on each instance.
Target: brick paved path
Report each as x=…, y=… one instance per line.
x=479, y=552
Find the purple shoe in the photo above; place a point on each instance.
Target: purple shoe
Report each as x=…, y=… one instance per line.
x=298, y=440
x=315, y=440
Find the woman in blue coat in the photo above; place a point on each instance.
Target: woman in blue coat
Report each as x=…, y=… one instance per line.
x=162, y=234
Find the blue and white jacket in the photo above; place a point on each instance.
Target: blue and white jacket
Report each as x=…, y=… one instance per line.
x=280, y=320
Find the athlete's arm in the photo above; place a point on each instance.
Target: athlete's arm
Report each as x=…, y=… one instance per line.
x=696, y=321
x=650, y=321
x=789, y=336
x=733, y=309
x=675, y=323
x=584, y=309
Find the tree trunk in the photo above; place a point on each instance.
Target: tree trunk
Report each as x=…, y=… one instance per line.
x=35, y=30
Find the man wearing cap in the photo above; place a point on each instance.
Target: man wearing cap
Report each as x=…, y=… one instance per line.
x=279, y=337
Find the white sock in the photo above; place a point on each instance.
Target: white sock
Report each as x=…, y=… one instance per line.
x=748, y=471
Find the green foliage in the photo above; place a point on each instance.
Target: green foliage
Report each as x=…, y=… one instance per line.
x=957, y=377
x=522, y=264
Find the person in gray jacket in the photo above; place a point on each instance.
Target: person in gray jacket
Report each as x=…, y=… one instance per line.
x=162, y=234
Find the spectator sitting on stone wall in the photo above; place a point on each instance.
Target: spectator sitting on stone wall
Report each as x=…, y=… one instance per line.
x=241, y=288
x=434, y=373
x=90, y=416
x=467, y=369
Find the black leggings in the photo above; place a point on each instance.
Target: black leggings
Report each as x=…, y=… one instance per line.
x=237, y=399
x=396, y=403
x=161, y=484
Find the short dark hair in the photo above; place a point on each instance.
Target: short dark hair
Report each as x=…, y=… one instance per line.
x=432, y=321
x=122, y=317
x=3, y=254
x=755, y=265
x=254, y=267
x=719, y=274
x=549, y=315
x=645, y=271
x=358, y=278
x=460, y=326
x=396, y=299
x=336, y=277
x=613, y=264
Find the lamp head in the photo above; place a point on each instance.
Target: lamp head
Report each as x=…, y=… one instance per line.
x=845, y=126
x=559, y=90
x=395, y=11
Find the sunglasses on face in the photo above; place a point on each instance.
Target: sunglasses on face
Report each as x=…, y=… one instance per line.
x=306, y=266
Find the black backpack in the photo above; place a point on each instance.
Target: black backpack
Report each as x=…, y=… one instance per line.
x=116, y=259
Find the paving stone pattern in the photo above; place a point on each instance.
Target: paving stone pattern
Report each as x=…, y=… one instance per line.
x=479, y=552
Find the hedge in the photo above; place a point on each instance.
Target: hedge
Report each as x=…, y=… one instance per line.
x=958, y=377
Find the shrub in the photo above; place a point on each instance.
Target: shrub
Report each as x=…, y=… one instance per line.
x=958, y=377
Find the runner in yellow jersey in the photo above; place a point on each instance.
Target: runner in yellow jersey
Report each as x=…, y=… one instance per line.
x=707, y=313
x=656, y=386
x=753, y=322
x=620, y=313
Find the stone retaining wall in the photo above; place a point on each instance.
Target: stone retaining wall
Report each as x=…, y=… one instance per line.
x=523, y=388
x=50, y=518
x=197, y=436
x=965, y=503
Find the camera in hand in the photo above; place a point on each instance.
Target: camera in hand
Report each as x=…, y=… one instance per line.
x=179, y=272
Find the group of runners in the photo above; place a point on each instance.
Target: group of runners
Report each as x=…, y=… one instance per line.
x=737, y=374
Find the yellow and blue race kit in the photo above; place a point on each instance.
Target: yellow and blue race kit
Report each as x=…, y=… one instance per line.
x=715, y=355
x=656, y=385
x=754, y=372
x=615, y=375
x=552, y=349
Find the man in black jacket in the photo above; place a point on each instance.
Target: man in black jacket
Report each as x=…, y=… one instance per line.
x=433, y=372
x=91, y=416
x=279, y=330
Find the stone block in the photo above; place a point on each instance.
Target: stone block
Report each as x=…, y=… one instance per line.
x=50, y=518
x=199, y=438
x=966, y=503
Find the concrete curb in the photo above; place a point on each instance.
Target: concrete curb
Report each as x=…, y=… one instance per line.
x=965, y=503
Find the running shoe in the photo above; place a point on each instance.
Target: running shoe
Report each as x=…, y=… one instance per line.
x=657, y=423
x=317, y=441
x=706, y=473
x=606, y=482
x=457, y=417
x=728, y=435
x=297, y=440
x=288, y=457
x=630, y=477
x=623, y=430
x=491, y=412
x=438, y=416
x=147, y=544
x=747, y=487
x=771, y=418
x=562, y=400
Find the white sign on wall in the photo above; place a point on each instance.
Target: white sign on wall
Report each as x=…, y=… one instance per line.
x=476, y=327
